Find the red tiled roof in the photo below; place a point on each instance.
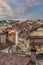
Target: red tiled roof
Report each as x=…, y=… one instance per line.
x=9, y=59
x=2, y=32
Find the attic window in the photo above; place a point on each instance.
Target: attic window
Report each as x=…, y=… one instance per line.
x=26, y=30
x=22, y=35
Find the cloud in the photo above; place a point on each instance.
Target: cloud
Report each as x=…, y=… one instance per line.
x=11, y=9
x=31, y=3
x=1, y=11
x=26, y=4
x=20, y=10
x=8, y=8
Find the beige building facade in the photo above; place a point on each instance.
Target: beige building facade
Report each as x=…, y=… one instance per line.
x=36, y=36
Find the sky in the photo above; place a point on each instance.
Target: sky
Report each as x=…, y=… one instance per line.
x=21, y=9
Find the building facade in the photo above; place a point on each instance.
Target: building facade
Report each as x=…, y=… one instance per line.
x=36, y=36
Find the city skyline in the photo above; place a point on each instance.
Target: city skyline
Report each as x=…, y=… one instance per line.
x=21, y=9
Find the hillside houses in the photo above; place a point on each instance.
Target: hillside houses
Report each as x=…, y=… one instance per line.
x=27, y=33
x=16, y=41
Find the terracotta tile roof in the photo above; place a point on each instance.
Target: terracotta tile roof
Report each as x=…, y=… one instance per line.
x=9, y=59
x=28, y=26
x=29, y=29
x=2, y=32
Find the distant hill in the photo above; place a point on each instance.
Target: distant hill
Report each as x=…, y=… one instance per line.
x=3, y=21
